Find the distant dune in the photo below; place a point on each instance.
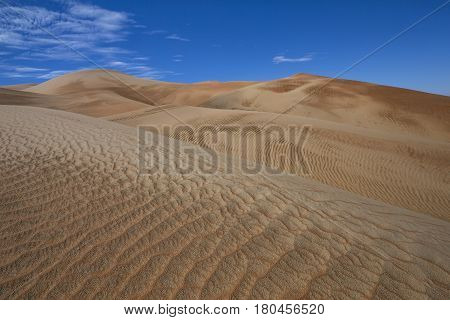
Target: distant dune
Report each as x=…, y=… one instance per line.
x=97, y=93
x=371, y=220
x=350, y=102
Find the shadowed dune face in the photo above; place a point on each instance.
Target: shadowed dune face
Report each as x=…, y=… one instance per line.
x=77, y=221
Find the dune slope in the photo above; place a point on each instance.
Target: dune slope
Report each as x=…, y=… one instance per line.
x=360, y=104
x=78, y=222
x=103, y=93
x=399, y=169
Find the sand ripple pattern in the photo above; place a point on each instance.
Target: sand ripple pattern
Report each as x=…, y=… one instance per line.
x=76, y=221
x=408, y=174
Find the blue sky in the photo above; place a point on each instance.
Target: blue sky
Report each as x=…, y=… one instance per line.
x=188, y=41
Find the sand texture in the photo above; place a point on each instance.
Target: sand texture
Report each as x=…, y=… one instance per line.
x=370, y=221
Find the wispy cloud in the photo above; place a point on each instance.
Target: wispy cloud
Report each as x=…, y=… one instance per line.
x=55, y=73
x=174, y=36
x=81, y=26
x=178, y=58
x=21, y=71
x=171, y=36
x=129, y=67
x=117, y=64
x=153, y=32
x=29, y=69
x=137, y=69
x=36, y=34
x=282, y=59
x=148, y=72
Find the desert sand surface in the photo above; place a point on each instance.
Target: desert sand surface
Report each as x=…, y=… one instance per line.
x=371, y=220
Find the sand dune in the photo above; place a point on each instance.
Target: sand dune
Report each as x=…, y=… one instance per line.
x=370, y=220
x=78, y=222
x=398, y=169
x=365, y=105
x=350, y=102
x=98, y=93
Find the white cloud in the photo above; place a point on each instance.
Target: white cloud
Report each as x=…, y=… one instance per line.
x=118, y=64
x=54, y=53
x=29, y=69
x=138, y=69
x=11, y=38
x=29, y=72
x=15, y=75
x=177, y=58
x=20, y=70
x=147, y=72
x=111, y=51
x=281, y=59
x=34, y=34
x=55, y=73
x=153, y=32
x=87, y=28
x=174, y=36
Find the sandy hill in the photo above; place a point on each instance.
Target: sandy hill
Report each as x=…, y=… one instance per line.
x=370, y=106
x=78, y=222
x=402, y=159
x=101, y=93
x=370, y=220
x=398, y=169
x=352, y=145
x=355, y=103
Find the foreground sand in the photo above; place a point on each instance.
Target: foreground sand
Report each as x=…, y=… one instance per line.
x=78, y=222
x=370, y=220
